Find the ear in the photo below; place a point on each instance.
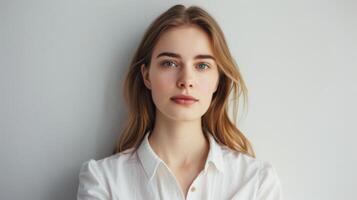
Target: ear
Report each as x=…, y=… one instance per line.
x=145, y=75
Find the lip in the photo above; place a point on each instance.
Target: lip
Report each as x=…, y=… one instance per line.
x=184, y=99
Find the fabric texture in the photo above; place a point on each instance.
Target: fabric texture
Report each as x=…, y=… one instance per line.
x=227, y=175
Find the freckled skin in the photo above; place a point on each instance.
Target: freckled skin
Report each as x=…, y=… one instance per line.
x=184, y=75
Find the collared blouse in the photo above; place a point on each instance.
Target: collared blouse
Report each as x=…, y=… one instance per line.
x=227, y=175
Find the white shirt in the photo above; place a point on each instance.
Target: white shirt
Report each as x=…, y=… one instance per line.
x=227, y=175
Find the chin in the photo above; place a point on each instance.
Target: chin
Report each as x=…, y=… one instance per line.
x=180, y=114
x=185, y=116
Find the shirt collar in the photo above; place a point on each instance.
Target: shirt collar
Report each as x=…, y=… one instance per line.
x=150, y=160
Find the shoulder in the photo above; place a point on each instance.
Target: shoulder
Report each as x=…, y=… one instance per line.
x=109, y=164
x=258, y=173
x=98, y=177
x=263, y=171
x=244, y=161
x=269, y=184
x=240, y=160
x=261, y=174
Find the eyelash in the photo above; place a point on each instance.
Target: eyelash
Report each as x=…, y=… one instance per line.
x=163, y=63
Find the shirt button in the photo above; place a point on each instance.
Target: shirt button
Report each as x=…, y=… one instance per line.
x=193, y=189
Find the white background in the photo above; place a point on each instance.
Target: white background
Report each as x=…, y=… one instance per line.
x=62, y=63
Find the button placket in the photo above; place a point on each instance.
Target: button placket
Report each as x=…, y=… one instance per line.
x=193, y=190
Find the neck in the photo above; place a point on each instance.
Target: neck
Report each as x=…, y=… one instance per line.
x=179, y=143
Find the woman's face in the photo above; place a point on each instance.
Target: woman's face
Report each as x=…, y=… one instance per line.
x=182, y=63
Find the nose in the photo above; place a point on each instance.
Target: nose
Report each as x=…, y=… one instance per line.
x=185, y=84
x=186, y=79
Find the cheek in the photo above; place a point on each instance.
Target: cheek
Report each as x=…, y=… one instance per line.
x=207, y=85
x=161, y=83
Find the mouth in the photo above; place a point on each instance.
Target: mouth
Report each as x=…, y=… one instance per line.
x=183, y=101
x=184, y=97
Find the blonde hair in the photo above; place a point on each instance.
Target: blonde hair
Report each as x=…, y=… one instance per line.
x=216, y=120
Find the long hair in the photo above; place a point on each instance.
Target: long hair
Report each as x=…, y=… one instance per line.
x=216, y=120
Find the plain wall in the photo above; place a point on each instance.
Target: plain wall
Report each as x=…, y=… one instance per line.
x=62, y=63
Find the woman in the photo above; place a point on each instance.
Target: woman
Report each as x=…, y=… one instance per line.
x=179, y=142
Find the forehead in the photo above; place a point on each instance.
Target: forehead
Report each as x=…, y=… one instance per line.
x=188, y=41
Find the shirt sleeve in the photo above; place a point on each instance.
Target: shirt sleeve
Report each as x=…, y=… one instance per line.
x=91, y=185
x=269, y=186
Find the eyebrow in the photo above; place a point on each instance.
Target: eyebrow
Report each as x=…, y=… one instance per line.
x=170, y=54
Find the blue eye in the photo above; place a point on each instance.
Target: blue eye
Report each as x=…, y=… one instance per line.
x=204, y=65
x=169, y=63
